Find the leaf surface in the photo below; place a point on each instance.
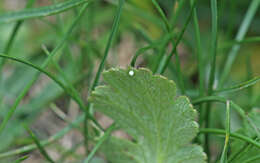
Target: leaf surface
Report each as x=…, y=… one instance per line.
x=146, y=107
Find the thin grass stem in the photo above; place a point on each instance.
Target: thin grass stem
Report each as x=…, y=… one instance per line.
x=240, y=36
x=214, y=38
x=223, y=158
x=39, y=146
x=232, y=135
x=99, y=143
x=48, y=141
x=168, y=58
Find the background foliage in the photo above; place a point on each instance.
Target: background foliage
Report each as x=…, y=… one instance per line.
x=215, y=55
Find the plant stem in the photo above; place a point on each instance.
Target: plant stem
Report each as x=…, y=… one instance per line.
x=240, y=36
x=168, y=58
x=234, y=135
x=39, y=146
x=102, y=63
x=214, y=22
x=223, y=158
x=48, y=141
x=99, y=143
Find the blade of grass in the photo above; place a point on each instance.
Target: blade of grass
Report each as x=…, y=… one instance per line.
x=44, y=65
x=69, y=152
x=252, y=159
x=232, y=13
x=101, y=65
x=240, y=36
x=199, y=52
x=177, y=59
x=140, y=30
x=21, y=159
x=179, y=74
x=249, y=76
x=161, y=56
x=227, y=44
x=243, y=149
x=109, y=43
x=17, y=101
x=140, y=52
x=16, y=28
x=48, y=141
x=75, y=93
x=39, y=146
x=162, y=49
x=200, y=63
x=99, y=143
x=40, y=12
x=163, y=16
x=214, y=45
x=223, y=158
x=59, y=113
x=165, y=62
x=11, y=39
x=214, y=38
x=240, y=111
x=239, y=87
x=68, y=83
x=177, y=13
x=232, y=135
x=148, y=16
x=251, y=122
x=55, y=79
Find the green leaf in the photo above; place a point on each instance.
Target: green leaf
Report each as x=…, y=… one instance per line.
x=244, y=152
x=146, y=107
x=40, y=12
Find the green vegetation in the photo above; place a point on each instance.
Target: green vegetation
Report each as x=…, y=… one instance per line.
x=180, y=61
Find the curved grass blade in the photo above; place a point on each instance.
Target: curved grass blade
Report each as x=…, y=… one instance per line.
x=40, y=12
x=240, y=36
x=44, y=65
x=167, y=60
x=56, y=80
x=17, y=101
x=223, y=158
x=73, y=90
x=240, y=86
x=39, y=146
x=10, y=41
x=140, y=52
x=232, y=135
x=240, y=111
x=48, y=141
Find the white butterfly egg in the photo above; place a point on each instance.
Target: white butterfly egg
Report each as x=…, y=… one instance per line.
x=131, y=73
